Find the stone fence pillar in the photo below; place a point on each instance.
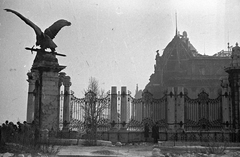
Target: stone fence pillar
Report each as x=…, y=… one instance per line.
x=50, y=100
x=67, y=99
x=171, y=108
x=114, y=114
x=124, y=105
x=31, y=98
x=225, y=101
x=180, y=106
x=44, y=86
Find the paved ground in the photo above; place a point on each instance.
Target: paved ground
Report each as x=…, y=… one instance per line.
x=131, y=150
x=144, y=150
x=102, y=151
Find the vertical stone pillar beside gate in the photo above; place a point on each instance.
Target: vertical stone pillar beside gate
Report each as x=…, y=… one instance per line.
x=234, y=81
x=225, y=101
x=180, y=106
x=46, y=105
x=123, y=105
x=129, y=109
x=31, y=96
x=66, y=103
x=50, y=104
x=114, y=114
x=170, y=108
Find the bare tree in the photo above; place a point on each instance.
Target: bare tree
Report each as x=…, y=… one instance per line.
x=94, y=107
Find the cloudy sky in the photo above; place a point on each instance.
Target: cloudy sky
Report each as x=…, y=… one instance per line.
x=114, y=41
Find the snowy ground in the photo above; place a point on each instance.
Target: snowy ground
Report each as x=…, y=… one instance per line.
x=137, y=150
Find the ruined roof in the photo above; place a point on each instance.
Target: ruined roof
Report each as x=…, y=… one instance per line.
x=181, y=65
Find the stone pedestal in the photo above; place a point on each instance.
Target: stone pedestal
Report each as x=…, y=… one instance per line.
x=49, y=111
x=46, y=90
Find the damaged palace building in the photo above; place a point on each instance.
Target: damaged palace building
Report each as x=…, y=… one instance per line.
x=182, y=66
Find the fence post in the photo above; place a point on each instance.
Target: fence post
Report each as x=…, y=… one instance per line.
x=48, y=97
x=66, y=105
x=30, y=103
x=180, y=106
x=225, y=101
x=113, y=113
x=170, y=108
x=123, y=105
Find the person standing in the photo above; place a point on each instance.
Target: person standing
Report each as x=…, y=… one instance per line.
x=4, y=133
x=146, y=131
x=0, y=135
x=155, y=133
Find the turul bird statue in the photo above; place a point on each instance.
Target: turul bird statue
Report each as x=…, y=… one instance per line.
x=44, y=39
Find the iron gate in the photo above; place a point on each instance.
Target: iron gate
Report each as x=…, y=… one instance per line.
x=78, y=111
x=203, y=113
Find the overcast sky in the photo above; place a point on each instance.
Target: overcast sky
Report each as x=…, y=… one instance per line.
x=114, y=41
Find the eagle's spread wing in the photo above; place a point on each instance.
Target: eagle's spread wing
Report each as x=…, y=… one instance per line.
x=27, y=21
x=55, y=28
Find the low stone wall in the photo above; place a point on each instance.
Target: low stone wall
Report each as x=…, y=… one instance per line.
x=121, y=136
x=67, y=134
x=125, y=136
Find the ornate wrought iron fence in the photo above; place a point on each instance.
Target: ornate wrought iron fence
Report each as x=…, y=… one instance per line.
x=79, y=108
x=203, y=113
x=148, y=110
x=76, y=113
x=202, y=118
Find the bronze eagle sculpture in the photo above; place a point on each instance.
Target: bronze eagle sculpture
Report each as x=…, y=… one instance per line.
x=44, y=39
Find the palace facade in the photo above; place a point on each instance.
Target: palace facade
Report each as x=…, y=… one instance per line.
x=181, y=65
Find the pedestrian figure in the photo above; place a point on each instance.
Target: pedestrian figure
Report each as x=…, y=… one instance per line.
x=4, y=133
x=155, y=133
x=0, y=135
x=146, y=131
x=20, y=132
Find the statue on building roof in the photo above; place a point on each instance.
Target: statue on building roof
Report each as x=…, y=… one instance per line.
x=158, y=61
x=157, y=55
x=235, y=55
x=185, y=34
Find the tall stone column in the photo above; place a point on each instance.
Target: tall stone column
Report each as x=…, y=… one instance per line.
x=180, y=105
x=139, y=111
x=31, y=98
x=133, y=111
x=67, y=99
x=128, y=107
x=114, y=114
x=37, y=107
x=124, y=104
x=171, y=108
x=47, y=91
x=61, y=97
x=234, y=81
x=50, y=104
x=225, y=101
